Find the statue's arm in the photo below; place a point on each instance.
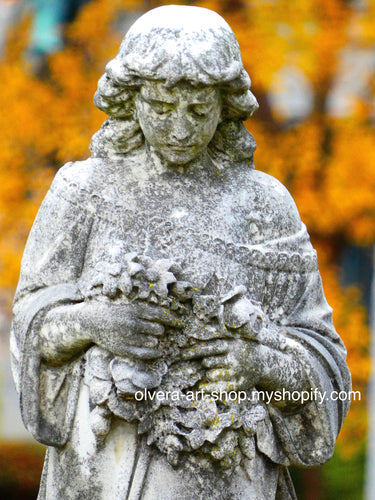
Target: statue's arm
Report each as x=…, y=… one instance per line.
x=304, y=334
x=51, y=266
x=292, y=351
x=123, y=330
x=309, y=427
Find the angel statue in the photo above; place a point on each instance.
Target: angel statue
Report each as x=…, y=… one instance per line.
x=171, y=336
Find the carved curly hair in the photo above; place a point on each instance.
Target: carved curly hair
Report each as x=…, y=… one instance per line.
x=173, y=44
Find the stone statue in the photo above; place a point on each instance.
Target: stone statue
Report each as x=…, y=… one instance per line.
x=170, y=301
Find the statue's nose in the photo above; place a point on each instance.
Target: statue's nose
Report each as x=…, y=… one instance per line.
x=182, y=128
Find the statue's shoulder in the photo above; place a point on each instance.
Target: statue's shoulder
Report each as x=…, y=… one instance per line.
x=81, y=176
x=82, y=181
x=274, y=192
x=270, y=203
x=98, y=178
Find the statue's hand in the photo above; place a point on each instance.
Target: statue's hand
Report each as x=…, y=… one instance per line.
x=232, y=364
x=131, y=329
x=241, y=364
x=122, y=329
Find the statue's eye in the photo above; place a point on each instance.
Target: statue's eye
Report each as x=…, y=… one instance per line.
x=160, y=107
x=201, y=110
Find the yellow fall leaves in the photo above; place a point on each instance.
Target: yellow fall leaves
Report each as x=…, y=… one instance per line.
x=326, y=162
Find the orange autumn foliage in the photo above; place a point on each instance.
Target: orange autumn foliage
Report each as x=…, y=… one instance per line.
x=325, y=161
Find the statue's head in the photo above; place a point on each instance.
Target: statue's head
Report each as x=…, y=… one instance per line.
x=177, y=68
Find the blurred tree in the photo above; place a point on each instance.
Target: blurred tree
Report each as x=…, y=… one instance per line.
x=46, y=122
x=323, y=156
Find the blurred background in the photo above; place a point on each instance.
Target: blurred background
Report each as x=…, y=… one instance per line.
x=312, y=65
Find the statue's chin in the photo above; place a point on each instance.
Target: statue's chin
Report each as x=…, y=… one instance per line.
x=177, y=156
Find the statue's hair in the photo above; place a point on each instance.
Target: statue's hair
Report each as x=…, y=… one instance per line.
x=169, y=44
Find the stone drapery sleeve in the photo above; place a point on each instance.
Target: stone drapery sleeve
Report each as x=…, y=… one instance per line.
x=306, y=437
x=51, y=266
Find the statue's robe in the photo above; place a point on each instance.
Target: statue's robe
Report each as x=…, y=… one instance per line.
x=237, y=227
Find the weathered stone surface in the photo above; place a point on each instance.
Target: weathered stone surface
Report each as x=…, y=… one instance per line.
x=164, y=282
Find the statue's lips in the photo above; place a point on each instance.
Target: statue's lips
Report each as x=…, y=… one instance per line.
x=179, y=149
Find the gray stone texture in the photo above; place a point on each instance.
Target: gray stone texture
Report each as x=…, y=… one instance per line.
x=166, y=264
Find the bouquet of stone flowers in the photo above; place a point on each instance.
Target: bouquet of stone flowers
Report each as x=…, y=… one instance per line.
x=162, y=395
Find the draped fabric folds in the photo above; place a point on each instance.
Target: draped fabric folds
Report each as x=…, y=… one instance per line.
x=78, y=223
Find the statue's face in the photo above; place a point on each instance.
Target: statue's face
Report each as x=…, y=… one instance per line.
x=178, y=122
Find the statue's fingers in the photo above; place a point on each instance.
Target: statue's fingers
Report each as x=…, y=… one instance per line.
x=149, y=328
x=220, y=374
x=206, y=349
x=141, y=340
x=140, y=352
x=155, y=313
